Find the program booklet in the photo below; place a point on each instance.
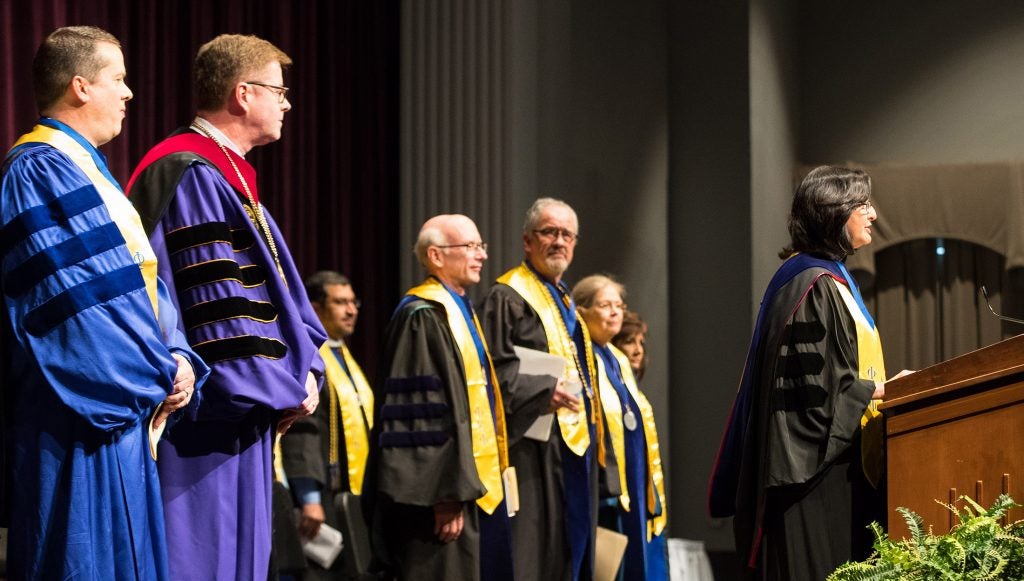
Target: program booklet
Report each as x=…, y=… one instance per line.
x=534, y=362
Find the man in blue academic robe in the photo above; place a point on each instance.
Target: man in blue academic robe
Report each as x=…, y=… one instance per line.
x=91, y=343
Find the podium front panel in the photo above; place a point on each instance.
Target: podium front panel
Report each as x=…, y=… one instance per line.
x=969, y=443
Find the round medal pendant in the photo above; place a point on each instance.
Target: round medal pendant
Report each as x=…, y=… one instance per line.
x=252, y=215
x=629, y=420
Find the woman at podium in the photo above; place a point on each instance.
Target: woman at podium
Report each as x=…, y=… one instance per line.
x=800, y=464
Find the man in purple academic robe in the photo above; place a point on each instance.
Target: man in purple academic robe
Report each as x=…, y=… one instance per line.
x=243, y=306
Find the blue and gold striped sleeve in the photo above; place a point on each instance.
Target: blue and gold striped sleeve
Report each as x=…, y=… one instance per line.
x=78, y=307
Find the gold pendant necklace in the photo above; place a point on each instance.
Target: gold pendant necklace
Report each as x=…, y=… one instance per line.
x=261, y=220
x=569, y=345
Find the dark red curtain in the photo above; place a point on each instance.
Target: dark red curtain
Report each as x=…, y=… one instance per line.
x=331, y=182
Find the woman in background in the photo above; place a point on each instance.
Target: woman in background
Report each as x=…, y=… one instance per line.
x=632, y=340
x=639, y=512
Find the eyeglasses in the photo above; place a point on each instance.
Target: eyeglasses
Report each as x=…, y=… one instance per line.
x=866, y=208
x=469, y=246
x=281, y=92
x=608, y=306
x=552, y=234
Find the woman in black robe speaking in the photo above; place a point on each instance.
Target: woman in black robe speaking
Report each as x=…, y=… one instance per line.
x=800, y=466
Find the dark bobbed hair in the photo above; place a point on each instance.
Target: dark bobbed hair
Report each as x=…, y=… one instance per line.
x=632, y=325
x=822, y=204
x=317, y=283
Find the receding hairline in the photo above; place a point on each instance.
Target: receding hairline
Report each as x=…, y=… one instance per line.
x=542, y=205
x=429, y=235
x=436, y=232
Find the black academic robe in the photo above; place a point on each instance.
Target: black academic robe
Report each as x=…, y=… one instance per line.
x=421, y=451
x=306, y=454
x=538, y=529
x=801, y=473
x=307, y=447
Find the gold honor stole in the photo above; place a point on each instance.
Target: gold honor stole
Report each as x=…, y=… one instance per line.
x=872, y=368
x=574, y=432
x=120, y=209
x=354, y=398
x=613, y=416
x=490, y=444
x=613, y=411
x=279, y=474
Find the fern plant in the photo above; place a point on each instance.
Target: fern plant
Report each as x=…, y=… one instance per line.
x=978, y=547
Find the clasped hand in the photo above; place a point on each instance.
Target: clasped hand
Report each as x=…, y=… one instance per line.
x=306, y=408
x=181, y=394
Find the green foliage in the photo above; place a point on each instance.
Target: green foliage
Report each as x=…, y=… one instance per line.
x=978, y=547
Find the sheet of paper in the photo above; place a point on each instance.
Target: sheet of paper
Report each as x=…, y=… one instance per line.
x=540, y=429
x=511, y=484
x=534, y=362
x=325, y=547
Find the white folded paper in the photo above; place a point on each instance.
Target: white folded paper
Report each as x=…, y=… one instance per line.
x=325, y=547
x=534, y=362
x=511, y=486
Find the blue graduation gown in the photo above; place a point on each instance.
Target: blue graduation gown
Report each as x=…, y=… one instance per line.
x=643, y=559
x=87, y=364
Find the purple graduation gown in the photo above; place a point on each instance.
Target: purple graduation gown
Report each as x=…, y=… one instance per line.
x=260, y=336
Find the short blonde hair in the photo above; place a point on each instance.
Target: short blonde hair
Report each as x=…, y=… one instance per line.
x=224, y=61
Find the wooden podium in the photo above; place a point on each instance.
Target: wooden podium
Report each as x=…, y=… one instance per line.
x=956, y=428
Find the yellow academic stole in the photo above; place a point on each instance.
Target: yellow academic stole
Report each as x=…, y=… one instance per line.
x=872, y=368
x=574, y=432
x=655, y=475
x=613, y=418
x=490, y=445
x=120, y=209
x=354, y=398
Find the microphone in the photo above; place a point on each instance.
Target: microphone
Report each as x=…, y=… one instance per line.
x=984, y=293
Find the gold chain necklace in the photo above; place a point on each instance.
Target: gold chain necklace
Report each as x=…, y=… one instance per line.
x=261, y=220
x=567, y=340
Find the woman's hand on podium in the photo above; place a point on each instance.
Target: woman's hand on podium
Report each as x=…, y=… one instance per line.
x=903, y=373
x=880, y=386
